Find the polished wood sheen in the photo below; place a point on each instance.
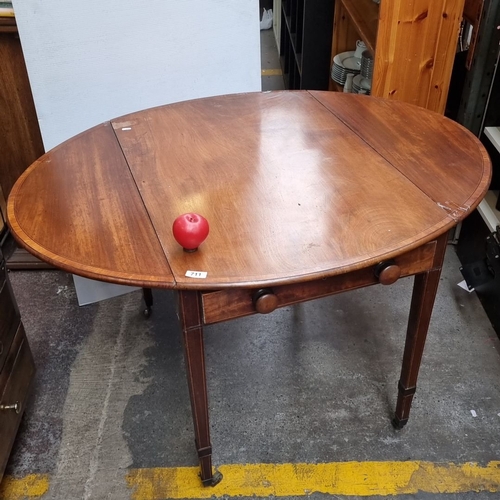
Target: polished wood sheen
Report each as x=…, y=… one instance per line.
x=265, y=301
x=387, y=272
x=295, y=186
x=85, y=214
x=307, y=194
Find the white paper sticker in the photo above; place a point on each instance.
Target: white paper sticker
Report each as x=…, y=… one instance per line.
x=196, y=274
x=463, y=284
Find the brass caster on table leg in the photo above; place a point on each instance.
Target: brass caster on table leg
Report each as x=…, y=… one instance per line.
x=397, y=423
x=214, y=480
x=147, y=295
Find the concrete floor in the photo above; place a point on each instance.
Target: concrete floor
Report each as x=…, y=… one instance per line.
x=313, y=383
x=272, y=78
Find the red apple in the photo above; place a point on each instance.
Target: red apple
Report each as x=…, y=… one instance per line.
x=190, y=231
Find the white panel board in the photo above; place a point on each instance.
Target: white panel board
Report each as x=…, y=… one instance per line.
x=95, y=60
x=90, y=291
x=493, y=134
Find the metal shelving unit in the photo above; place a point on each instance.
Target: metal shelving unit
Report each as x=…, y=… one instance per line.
x=305, y=41
x=488, y=207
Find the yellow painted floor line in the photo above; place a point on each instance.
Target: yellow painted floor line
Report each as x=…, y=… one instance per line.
x=31, y=486
x=281, y=480
x=271, y=72
x=343, y=478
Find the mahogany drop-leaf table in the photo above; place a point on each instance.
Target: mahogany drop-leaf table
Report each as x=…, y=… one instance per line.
x=307, y=194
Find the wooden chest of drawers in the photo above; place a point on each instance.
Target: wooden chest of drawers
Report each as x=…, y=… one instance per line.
x=20, y=138
x=16, y=367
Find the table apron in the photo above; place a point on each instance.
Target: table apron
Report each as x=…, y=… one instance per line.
x=231, y=303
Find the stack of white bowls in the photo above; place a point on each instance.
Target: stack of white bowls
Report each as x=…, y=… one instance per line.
x=347, y=62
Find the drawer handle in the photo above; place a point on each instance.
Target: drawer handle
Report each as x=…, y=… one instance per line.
x=265, y=301
x=387, y=272
x=1, y=347
x=16, y=407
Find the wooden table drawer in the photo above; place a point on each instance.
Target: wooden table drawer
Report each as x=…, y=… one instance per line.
x=9, y=317
x=222, y=305
x=15, y=381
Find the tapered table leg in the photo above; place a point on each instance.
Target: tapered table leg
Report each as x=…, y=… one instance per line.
x=422, y=302
x=147, y=294
x=190, y=313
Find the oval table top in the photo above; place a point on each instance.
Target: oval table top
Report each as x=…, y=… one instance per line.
x=296, y=186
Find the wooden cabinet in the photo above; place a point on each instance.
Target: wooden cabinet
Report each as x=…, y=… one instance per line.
x=20, y=138
x=413, y=44
x=16, y=367
x=305, y=43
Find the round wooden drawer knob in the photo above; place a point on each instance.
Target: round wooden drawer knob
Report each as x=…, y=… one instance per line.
x=265, y=301
x=388, y=272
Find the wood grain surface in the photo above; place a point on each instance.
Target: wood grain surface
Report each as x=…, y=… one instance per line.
x=413, y=60
x=295, y=185
x=364, y=16
x=432, y=152
x=20, y=139
x=78, y=208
